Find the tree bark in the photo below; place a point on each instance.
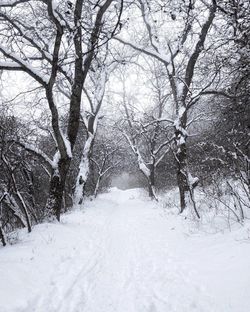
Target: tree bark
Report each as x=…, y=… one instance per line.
x=2, y=236
x=97, y=185
x=186, y=187
x=181, y=176
x=11, y=206
x=56, y=190
x=84, y=168
x=181, y=159
x=25, y=210
x=151, y=182
x=17, y=194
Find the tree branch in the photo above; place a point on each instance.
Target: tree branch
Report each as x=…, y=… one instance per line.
x=156, y=55
x=24, y=66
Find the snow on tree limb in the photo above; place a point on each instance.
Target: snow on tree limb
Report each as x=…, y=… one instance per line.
x=148, y=52
x=36, y=151
x=198, y=49
x=10, y=66
x=11, y=3
x=26, y=67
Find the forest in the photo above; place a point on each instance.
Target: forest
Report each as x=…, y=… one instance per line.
x=93, y=89
x=124, y=155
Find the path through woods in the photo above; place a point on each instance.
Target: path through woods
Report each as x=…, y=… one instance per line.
x=123, y=254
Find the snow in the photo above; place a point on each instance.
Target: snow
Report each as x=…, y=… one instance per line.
x=8, y=2
x=123, y=252
x=68, y=146
x=100, y=87
x=55, y=4
x=9, y=64
x=22, y=63
x=84, y=167
x=192, y=180
x=181, y=141
x=56, y=158
x=181, y=112
x=160, y=56
x=37, y=151
x=141, y=163
x=177, y=125
x=144, y=168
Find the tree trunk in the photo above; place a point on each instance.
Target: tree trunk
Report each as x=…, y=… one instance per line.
x=25, y=209
x=29, y=180
x=186, y=187
x=97, y=185
x=14, y=209
x=84, y=168
x=181, y=176
x=2, y=237
x=17, y=195
x=80, y=187
x=151, y=191
x=151, y=182
x=181, y=160
x=56, y=190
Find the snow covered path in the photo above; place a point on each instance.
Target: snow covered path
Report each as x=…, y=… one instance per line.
x=121, y=255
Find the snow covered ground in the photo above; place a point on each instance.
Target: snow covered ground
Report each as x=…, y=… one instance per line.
x=124, y=253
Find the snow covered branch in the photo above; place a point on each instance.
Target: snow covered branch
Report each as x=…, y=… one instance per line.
x=146, y=51
x=36, y=151
x=10, y=66
x=25, y=66
x=12, y=3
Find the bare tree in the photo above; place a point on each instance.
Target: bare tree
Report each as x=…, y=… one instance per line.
x=149, y=135
x=99, y=77
x=55, y=45
x=14, y=191
x=180, y=65
x=108, y=155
